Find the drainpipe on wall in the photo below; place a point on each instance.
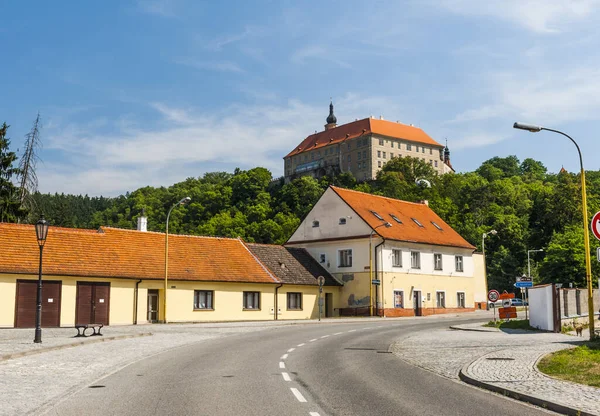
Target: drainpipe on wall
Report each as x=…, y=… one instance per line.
x=276, y=305
x=135, y=302
x=376, y=275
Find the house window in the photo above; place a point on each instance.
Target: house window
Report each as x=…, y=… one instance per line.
x=379, y=153
x=408, y=146
x=415, y=260
x=384, y=155
x=430, y=151
x=359, y=155
x=322, y=258
x=460, y=299
x=364, y=154
x=435, y=163
x=349, y=158
x=380, y=142
x=396, y=218
x=398, y=299
x=203, y=299
x=315, y=224
x=458, y=260
x=294, y=301
x=252, y=300
x=326, y=152
x=440, y=299
x=436, y=226
x=396, y=258
x=392, y=143
x=342, y=221
x=417, y=222
x=379, y=217
x=437, y=261
x=345, y=258
x=379, y=163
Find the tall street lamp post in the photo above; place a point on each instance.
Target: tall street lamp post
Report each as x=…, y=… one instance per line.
x=41, y=232
x=483, y=236
x=182, y=202
x=586, y=235
x=386, y=225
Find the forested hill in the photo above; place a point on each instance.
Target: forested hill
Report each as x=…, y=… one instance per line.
x=529, y=207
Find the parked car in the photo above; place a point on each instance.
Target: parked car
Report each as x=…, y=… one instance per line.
x=518, y=302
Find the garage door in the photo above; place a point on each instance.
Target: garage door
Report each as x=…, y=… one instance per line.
x=27, y=301
x=93, y=300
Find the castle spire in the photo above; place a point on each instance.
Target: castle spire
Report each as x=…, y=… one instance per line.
x=331, y=119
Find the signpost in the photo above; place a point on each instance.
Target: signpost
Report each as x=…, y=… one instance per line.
x=524, y=282
x=493, y=296
x=376, y=281
x=507, y=311
x=595, y=225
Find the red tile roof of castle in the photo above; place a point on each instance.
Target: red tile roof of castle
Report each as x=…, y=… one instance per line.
x=113, y=252
x=362, y=127
x=366, y=204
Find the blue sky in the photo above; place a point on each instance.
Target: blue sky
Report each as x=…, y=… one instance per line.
x=152, y=92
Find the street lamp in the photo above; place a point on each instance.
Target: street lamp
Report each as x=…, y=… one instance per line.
x=483, y=236
x=586, y=235
x=386, y=225
x=182, y=202
x=41, y=232
x=528, y=265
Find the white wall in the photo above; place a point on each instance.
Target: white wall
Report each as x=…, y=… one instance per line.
x=328, y=211
x=541, y=313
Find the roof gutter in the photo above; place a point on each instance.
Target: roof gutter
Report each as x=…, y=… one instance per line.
x=135, y=302
x=276, y=304
x=376, y=276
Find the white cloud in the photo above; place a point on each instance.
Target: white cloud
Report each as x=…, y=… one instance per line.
x=219, y=43
x=540, y=16
x=220, y=66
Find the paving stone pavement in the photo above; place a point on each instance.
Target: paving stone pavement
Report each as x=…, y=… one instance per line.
x=501, y=358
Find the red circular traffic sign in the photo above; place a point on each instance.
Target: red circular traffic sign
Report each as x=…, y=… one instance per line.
x=493, y=295
x=596, y=225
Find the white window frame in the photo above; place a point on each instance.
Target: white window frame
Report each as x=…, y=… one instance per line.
x=413, y=258
x=209, y=303
x=437, y=299
x=456, y=264
x=435, y=266
x=464, y=299
x=251, y=301
x=403, y=299
x=339, y=252
x=396, y=255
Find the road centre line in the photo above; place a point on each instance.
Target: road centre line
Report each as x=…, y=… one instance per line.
x=284, y=356
x=352, y=330
x=298, y=395
x=314, y=414
x=324, y=336
x=286, y=377
x=313, y=340
x=281, y=364
x=337, y=333
x=291, y=349
x=299, y=345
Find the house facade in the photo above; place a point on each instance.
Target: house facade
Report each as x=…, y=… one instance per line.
x=362, y=147
x=116, y=277
x=419, y=264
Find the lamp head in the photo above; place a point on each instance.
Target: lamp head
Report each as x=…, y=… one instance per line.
x=185, y=200
x=528, y=127
x=41, y=231
x=387, y=225
x=493, y=232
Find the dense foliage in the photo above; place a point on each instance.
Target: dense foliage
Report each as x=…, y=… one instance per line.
x=529, y=207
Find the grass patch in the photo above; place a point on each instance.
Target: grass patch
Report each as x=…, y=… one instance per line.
x=580, y=365
x=514, y=324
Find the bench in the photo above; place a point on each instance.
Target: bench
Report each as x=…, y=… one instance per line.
x=94, y=327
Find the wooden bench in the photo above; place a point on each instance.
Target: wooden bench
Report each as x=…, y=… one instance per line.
x=94, y=327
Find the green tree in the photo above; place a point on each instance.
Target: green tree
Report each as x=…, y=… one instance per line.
x=9, y=201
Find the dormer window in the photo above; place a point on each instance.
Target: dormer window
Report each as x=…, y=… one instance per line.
x=417, y=222
x=437, y=226
x=342, y=221
x=396, y=218
x=315, y=224
x=377, y=215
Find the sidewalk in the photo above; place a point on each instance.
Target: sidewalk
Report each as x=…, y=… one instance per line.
x=506, y=364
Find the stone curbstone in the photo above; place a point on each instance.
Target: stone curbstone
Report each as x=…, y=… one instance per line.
x=463, y=375
x=458, y=328
x=72, y=344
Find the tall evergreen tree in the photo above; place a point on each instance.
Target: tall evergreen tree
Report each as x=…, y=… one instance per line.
x=9, y=203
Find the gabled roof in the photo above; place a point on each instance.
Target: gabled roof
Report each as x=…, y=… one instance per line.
x=360, y=128
x=113, y=252
x=367, y=205
x=292, y=265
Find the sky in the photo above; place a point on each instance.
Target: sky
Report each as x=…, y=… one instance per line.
x=149, y=93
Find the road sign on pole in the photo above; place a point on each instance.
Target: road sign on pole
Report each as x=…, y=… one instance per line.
x=376, y=281
x=493, y=295
x=595, y=225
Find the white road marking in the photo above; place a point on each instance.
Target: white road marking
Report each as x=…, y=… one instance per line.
x=299, y=345
x=298, y=395
x=337, y=333
x=284, y=356
x=312, y=340
x=286, y=376
x=281, y=364
x=324, y=336
x=291, y=349
x=352, y=330
x=314, y=414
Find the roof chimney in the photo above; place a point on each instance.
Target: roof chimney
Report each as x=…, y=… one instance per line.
x=424, y=202
x=142, y=224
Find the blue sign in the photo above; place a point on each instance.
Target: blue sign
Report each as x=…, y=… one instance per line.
x=524, y=284
x=376, y=281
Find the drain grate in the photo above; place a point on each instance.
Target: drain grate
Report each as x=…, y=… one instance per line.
x=500, y=359
x=97, y=386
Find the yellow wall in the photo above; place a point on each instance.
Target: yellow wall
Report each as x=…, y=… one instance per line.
x=8, y=288
x=355, y=292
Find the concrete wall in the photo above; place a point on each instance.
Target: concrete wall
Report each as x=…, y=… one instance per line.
x=541, y=313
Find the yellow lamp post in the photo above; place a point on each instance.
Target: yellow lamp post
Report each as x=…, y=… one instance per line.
x=483, y=236
x=182, y=202
x=386, y=225
x=586, y=234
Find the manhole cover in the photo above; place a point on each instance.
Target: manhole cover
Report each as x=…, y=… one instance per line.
x=500, y=359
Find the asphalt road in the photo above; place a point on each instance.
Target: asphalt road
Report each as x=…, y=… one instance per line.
x=307, y=370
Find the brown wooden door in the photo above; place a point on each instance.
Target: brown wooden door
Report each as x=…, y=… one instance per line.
x=93, y=303
x=26, y=303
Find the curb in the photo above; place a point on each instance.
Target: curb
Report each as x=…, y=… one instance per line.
x=456, y=328
x=73, y=344
x=559, y=408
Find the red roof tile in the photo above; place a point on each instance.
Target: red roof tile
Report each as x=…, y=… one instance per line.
x=364, y=204
x=112, y=252
x=360, y=128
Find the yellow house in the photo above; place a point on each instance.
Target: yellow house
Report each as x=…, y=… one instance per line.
x=116, y=277
x=395, y=257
